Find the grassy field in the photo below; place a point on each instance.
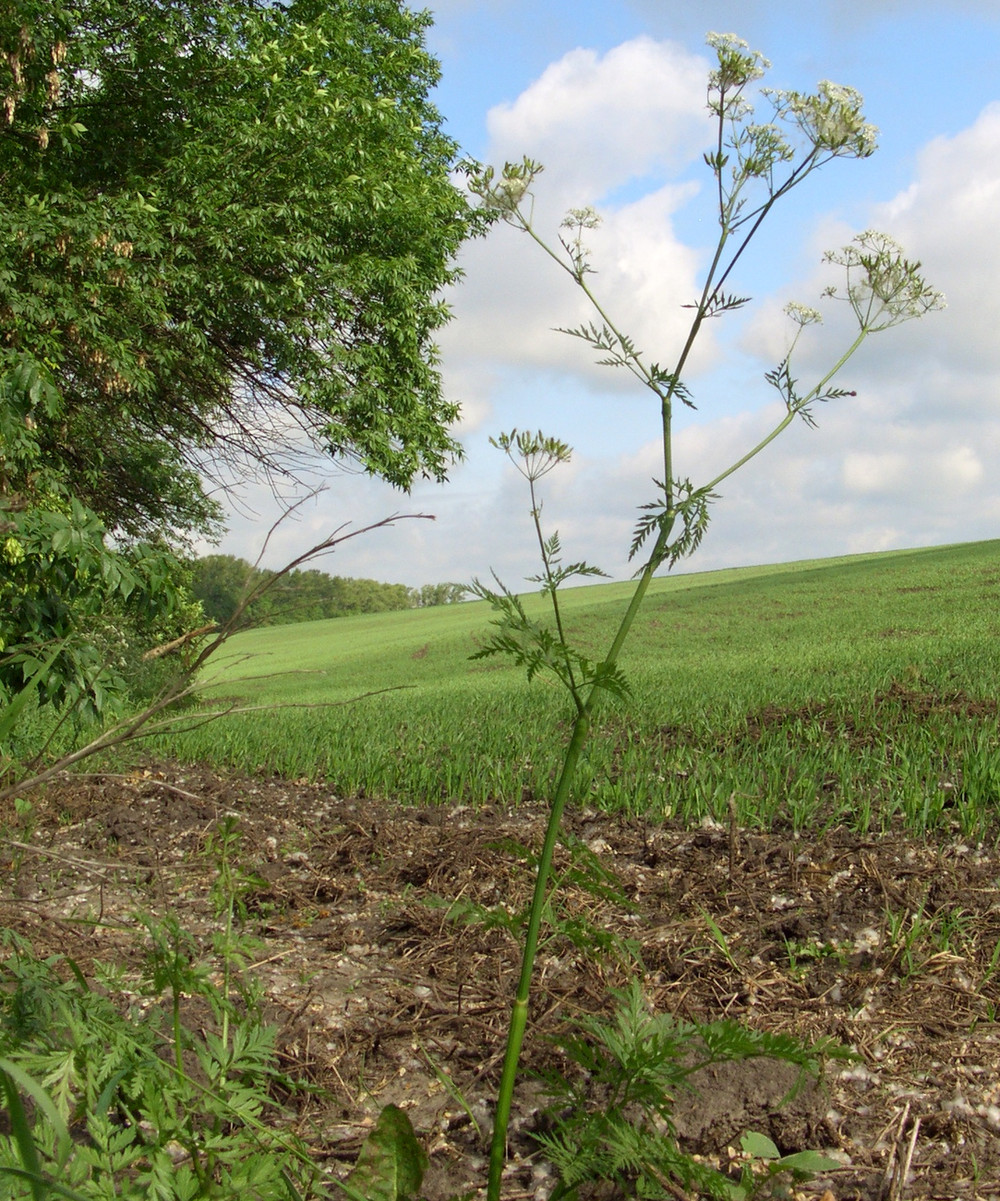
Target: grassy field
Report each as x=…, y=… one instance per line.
x=858, y=690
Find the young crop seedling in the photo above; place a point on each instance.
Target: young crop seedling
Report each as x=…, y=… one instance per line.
x=754, y=164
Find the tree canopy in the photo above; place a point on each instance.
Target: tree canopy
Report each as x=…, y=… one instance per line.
x=226, y=225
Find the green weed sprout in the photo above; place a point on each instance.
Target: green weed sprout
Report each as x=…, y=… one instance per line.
x=755, y=164
x=613, y=1121
x=158, y=1106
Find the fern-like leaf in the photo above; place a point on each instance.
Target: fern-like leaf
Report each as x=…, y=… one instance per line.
x=691, y=506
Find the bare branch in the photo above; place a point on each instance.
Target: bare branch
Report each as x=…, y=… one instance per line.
x=154, y=719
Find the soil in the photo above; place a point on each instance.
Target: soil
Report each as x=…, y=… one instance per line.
x=890, y=945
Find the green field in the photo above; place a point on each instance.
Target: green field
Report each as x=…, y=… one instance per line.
x=858, y=690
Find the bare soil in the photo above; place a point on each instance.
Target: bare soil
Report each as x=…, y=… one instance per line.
x=890, y=945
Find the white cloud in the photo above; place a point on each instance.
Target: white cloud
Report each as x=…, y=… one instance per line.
x=948, y=219
x=472, y=385
x=596, y=121
x=513, y=298
x=952, y=471
x=875, y=474
x=599, y=124
x=867, y=479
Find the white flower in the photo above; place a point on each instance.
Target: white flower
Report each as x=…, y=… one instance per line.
x=802, y=314
x=832, y=119
x=883, y=287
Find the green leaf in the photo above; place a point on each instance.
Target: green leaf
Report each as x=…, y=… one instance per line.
x=391, y=1163
x=12, y=710
x=759, y=1145
x=62, y=540
x=48, y=1187
x=808, y=1162
x=23, y=1137
x=12, y=1078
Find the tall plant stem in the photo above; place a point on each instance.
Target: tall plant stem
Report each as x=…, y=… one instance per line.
x=578, y=738
x=519, y=1011
x=883, y=289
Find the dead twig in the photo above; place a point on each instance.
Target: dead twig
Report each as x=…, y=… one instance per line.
x=155, y=718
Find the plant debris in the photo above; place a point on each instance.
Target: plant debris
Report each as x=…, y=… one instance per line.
x=889, y=944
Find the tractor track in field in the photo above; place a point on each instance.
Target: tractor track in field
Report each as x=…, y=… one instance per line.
x=890, y=944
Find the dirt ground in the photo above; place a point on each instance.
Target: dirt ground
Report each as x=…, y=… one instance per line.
x=890, y=945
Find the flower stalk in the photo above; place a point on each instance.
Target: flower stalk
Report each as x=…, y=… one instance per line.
x=755, y=165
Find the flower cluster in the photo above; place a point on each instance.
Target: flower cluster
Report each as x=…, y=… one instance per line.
x=502, y=194
x=831, y=119
x=579, y=254
x=802, y=314
x=738, y=67
x=884, y=288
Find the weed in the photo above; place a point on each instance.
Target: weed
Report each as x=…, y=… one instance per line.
x=765, y=1172
x=754, y=166
x=613, y=1116
x=719, y=939
x=133, y=1100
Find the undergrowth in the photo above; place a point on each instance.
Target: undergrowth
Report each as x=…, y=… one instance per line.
x=613, y=1116
x=163, y=1085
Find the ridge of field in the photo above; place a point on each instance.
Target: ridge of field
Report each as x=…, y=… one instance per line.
x=857, y=690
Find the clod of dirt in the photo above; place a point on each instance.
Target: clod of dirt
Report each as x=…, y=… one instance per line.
x=728, y=1099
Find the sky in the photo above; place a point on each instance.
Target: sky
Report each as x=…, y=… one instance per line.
x=610, y=97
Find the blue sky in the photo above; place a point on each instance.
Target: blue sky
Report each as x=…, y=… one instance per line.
x=610, y=97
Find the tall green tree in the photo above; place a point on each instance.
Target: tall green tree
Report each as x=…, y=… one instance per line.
x=224, y=230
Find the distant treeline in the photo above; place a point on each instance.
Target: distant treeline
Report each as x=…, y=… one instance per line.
x=221, y=581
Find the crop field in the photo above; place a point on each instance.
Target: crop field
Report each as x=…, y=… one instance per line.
x=354, y=852
x=858, y=691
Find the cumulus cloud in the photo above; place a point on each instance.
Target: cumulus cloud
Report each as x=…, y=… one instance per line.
x=947, y=217
x=860, y=482
x=514, y=300
x=599, y=124
x=908, y=461
x=596, y=121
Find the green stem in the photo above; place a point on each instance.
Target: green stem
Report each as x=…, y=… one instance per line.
x=789, y=416
x=519, y=1012
x=536, y=517
x=178, y=1032
x=716, y=277
x=226, y=974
